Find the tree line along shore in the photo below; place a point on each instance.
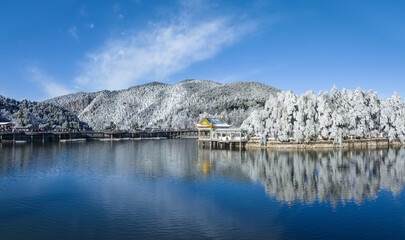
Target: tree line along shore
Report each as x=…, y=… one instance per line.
x=340, y=118
x=269, y=115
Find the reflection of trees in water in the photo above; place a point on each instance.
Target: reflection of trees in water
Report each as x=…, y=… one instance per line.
x=335, y=175
x=151, y=158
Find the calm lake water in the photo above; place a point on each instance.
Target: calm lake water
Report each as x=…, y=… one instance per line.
x=170, y=189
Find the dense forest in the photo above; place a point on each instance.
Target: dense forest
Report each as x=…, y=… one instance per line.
x=164, y=106
x=329, y=115
x=37, y=115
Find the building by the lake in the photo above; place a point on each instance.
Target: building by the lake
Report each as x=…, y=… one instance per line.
x=217, y=133
x=6, y=126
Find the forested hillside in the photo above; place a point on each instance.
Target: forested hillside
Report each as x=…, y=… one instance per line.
x=167, y=106
x=34, y=115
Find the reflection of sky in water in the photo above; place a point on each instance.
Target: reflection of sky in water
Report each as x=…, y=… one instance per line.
x=337, y=175
x=170, y=189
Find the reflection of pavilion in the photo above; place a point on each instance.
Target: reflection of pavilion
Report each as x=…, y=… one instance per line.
x=335, y=175
x=217, y=133
x=224, y=164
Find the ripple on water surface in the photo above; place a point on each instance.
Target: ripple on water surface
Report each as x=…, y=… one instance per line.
x=170, y=189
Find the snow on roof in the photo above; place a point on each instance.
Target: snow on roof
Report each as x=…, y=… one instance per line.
x=218, y=122
x=229, y=130
x=213, y=123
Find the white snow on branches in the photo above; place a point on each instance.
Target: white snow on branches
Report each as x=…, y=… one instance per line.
x=331, y=115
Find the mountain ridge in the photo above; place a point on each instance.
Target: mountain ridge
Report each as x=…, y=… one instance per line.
x=166, y=105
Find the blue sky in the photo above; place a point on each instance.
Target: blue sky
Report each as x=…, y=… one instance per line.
x=50, y=48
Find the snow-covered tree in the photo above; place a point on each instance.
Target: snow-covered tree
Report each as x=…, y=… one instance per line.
x=374, y=113
x=339, y=116
x=358, y=114
x=324, y=111
x=285, y=121
x=333, y=116
x=309, y=110
x=392, y=117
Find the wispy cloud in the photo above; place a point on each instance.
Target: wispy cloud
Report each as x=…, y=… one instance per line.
x=117, y=10
x=83, y=11
x=90, y=25
x=73, y=32
x=156, y=53
x=48, y=84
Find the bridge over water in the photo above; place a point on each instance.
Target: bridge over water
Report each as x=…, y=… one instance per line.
x=93, y=135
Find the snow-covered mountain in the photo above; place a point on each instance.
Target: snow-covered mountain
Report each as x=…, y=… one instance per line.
x=36, y=115
x=167, y=105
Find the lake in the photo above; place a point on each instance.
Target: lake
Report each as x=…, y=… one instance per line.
x=170, y=189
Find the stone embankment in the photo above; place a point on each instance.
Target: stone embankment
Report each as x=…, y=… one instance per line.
x=319, y=144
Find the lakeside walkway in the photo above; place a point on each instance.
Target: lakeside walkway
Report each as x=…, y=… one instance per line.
x=54, y=136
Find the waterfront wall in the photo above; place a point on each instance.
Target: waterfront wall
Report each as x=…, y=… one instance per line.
x=348, y=143
x=116, y=135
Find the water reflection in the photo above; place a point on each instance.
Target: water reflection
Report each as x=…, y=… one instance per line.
x=288, y=176
x=153, y=159
x=308, y=176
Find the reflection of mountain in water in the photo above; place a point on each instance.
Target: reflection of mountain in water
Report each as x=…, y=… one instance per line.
x=334, y=175
x=288, y=176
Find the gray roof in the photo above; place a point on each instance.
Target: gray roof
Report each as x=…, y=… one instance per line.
x=229, y=130
x=216, y=122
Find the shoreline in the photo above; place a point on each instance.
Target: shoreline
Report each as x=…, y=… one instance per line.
x=97, y=139
x=19, y=137
x=325, y=144
x=253, y=143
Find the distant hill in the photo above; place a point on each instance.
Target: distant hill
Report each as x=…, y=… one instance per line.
x=38, y=115
x=166, y=105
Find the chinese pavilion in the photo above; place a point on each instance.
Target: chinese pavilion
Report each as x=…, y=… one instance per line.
x=217, y=132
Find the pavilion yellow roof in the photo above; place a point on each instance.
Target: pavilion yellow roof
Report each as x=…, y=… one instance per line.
x=212, y=123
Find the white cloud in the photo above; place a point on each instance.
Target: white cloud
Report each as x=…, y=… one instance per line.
x=73, y=32
x=157, y=53
x=90, y=25
x=47, y=83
